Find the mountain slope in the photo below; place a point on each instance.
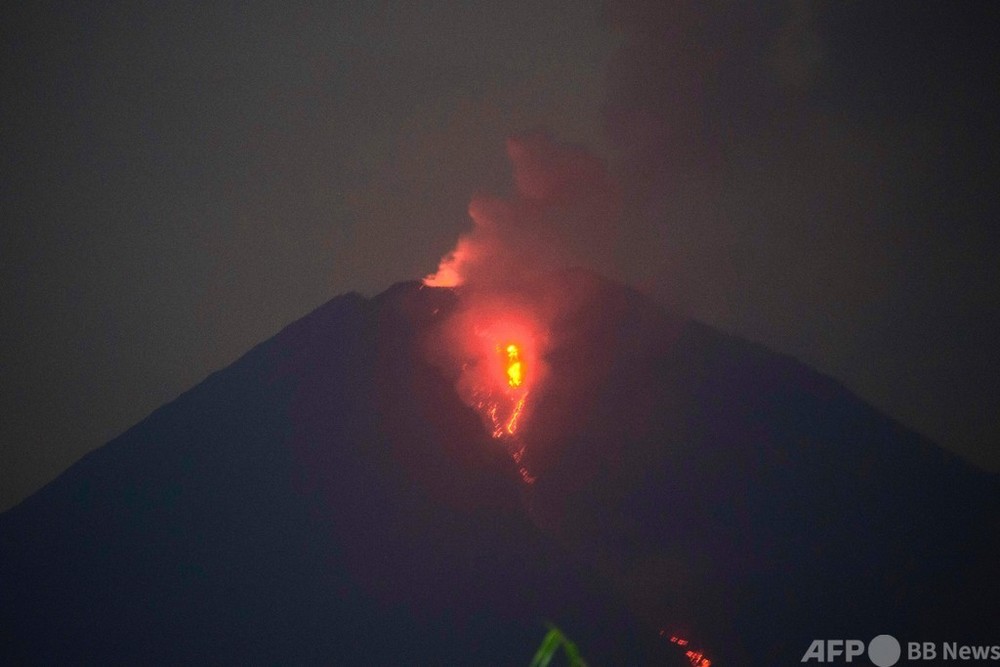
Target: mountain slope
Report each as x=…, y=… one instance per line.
x=329, y=499
x=744, y=499
x=266, y=515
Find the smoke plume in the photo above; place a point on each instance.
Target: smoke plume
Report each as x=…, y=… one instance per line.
x=565, y=211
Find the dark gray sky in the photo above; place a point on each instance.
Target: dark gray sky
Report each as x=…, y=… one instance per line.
x=180, y=180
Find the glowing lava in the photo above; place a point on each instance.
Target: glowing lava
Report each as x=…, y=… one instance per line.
x=515, y=380
x=515, y=371
x=502, y=396
x=696, y=658
x=498, y=344
x=495, y=345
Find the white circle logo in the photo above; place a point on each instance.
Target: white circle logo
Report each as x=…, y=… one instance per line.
x=883, y=651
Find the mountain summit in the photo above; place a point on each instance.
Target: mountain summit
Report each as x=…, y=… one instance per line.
x=336, y=496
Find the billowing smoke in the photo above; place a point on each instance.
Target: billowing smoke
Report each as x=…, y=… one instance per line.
x=565, y=211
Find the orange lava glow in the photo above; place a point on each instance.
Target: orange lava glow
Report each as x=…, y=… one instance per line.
x=515, y=369
x=446, y=276
x=451, y=270
x=696, y=658
x=497, y=343
x=504, y=405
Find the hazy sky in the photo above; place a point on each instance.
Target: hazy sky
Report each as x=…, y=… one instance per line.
x=180, y=180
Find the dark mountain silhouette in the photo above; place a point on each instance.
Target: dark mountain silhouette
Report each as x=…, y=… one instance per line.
x=328, y=499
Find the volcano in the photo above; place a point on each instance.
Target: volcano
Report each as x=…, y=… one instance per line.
x=330, y=498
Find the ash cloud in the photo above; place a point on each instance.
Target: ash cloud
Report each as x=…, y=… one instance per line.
x=691, y=84
x=817, y=176
x=564, y=211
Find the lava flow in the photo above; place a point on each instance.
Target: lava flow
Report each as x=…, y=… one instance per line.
x=503, y=397
x=695, y=657
x=515, y=372
x=496, y=346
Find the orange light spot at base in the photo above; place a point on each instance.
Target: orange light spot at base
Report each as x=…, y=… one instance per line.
x=696, y=658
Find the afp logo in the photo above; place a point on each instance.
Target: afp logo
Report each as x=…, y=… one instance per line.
x=883, y=651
